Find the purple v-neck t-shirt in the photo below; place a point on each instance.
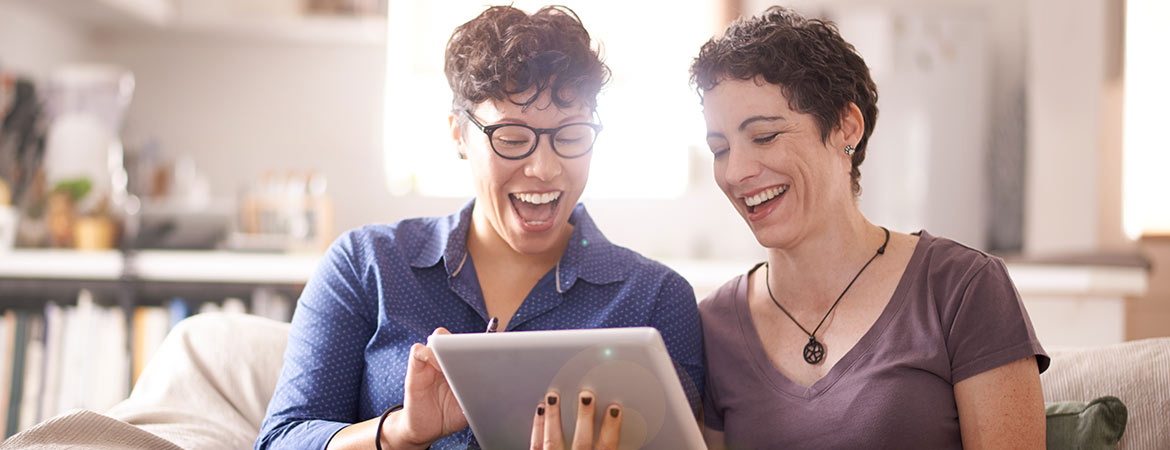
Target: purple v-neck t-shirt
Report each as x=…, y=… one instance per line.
x=954, y=314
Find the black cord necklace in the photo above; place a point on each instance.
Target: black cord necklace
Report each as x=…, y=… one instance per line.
x=814, y=351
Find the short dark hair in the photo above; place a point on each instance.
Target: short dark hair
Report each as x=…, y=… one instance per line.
x=816, y=69
x=505, y=51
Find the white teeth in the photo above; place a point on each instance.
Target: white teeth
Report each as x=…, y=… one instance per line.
x=765, y=196
x=537, y=199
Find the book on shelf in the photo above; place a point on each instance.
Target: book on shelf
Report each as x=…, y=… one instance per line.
x=74, y=376
x=178, y=310
x=54, y=341
x=16, y=387
x=33, y=372
x=150, y=326
x=111, y=362
x=232, y=305
x=7, y=344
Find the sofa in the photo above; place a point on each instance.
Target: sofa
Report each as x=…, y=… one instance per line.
x=209, y=383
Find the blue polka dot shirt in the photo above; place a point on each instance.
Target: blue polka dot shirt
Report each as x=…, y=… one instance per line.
x=381, y=288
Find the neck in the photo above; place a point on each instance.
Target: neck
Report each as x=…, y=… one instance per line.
x=821, y=263
x=486, y=244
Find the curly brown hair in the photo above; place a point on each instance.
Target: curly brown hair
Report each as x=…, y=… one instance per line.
x=816, y=69
x=505, y=51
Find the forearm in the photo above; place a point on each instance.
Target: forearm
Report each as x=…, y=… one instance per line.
x=278, y=433
x=360, y=436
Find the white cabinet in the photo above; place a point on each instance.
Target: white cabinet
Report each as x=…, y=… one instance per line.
x=106, y=13
x=203, y=19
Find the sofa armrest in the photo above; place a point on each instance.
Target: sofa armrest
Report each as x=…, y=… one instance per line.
x=209, y=383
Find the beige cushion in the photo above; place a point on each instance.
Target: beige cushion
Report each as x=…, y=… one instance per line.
x=1136, y=372
x=86, y=429
x=208, y=385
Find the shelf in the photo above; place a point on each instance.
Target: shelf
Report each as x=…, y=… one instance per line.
x=55, y=264
x=305, y=29
x=159, y=266
x=224, y=267
x=1079, y=280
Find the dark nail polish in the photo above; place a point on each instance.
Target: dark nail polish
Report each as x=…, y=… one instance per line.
x=613, y=412
x=540, y=410
x=586, y=400
x=552, y=400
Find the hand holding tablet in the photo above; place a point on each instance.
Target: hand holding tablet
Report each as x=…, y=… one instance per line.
x=500, y=378
x=430, y=410
x=546, y=425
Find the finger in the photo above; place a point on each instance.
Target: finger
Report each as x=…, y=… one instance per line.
x=425, y=355
x=553, y=439
x=583, y=435
x=536, y=442
x=611, y=428
x=440, y=330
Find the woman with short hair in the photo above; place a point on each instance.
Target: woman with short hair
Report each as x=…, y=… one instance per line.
x=523, y=255
x=849, y=335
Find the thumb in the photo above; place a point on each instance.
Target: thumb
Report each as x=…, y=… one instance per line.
x=425, y=354
x=422, y=369
x=420, y=357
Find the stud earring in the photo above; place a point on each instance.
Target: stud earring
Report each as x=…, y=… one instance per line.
x=849, y=150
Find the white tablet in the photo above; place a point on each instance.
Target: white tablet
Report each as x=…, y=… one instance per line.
x=500, y=378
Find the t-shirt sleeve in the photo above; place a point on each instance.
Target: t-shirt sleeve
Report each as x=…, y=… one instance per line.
x=712, y=417
x=676, y=316
x=317, y=393
x=991, y=326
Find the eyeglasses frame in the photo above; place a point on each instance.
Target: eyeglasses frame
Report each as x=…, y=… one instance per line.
x=489, y=129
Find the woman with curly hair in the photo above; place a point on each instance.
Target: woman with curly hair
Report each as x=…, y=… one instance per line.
x=849, y=335
x=522, y=255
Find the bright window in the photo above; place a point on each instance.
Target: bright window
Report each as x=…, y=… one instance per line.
x=1146, y=159
x=652, y=117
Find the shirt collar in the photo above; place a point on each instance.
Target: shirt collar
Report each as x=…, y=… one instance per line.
x=447, y=239
x=589, y=254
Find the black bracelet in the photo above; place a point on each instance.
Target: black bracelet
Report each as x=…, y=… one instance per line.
x=378, y=437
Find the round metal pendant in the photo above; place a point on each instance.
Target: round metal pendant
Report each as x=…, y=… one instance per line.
x=814, y=352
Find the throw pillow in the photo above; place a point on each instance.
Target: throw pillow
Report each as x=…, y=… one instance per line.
x=1085, y=426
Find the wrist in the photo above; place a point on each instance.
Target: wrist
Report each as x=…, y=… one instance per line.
x=397, y=433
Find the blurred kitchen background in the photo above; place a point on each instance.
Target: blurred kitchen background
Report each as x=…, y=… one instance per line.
x=164, y=157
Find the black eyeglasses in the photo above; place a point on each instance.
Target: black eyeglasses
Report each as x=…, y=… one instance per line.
x=516, y=141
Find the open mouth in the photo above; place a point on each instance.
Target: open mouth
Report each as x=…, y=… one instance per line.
x=536, y=210
x=764, y=198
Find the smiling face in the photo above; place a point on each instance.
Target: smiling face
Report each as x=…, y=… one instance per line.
x=772, y=164
x=526, y=202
